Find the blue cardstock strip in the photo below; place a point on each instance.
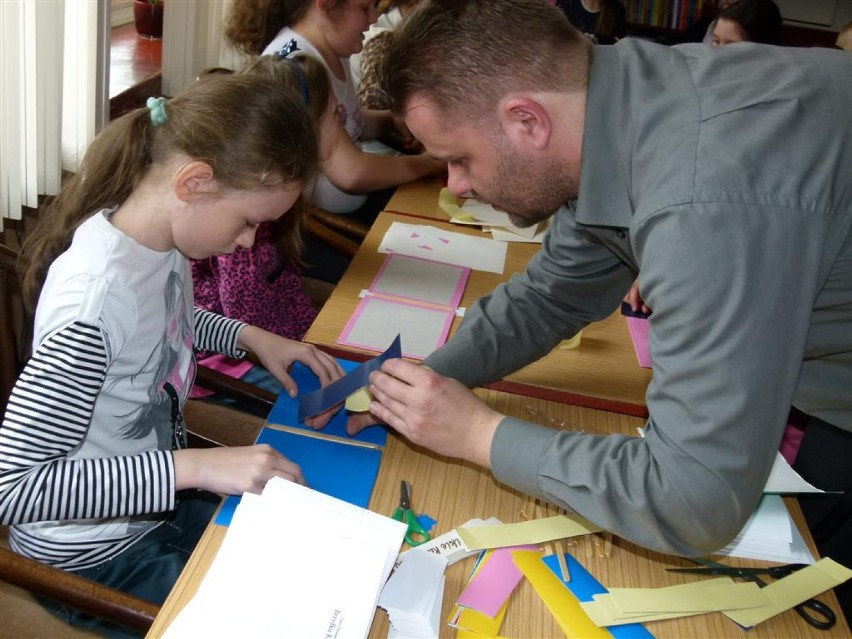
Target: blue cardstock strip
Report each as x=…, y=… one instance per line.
x=336, y=392
x=583, y=586
x=285, y=412
x=337, y=469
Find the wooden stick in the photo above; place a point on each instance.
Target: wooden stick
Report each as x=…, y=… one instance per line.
x=560, y=556
x=607, y=550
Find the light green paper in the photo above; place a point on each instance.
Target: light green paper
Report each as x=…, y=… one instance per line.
x=534, y=531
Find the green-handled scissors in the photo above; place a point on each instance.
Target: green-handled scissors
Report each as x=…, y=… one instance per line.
x=416, y=534
x=816, y=613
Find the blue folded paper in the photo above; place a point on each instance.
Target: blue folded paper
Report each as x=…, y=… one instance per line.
x=629, y=312
x=337, y=392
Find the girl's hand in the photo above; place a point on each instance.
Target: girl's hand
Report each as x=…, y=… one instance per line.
x=277, y=354
x=233, y=470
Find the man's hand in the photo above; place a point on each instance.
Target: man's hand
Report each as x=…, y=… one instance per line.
x=433, y=411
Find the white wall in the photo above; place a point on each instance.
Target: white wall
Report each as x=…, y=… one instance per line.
x=121, y=12
x=831, y=15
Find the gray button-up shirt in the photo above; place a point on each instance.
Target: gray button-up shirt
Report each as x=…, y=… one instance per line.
x=723, y=176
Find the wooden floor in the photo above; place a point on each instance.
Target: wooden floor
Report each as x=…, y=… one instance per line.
x=134, y=72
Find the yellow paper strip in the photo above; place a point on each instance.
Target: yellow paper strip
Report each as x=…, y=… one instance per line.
x=534, y=531
x=561, y=602
x=793, y=590
x=699, y=596
x=359, y=401
x=449, y=204
x=603, y=612
x=478, y=622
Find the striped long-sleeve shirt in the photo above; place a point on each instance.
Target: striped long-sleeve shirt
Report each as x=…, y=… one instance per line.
x=86, y=466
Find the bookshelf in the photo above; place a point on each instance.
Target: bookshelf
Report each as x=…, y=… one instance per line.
x=669, y=22
x=665, y=20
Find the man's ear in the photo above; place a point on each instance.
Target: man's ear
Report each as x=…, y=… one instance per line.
x=192, y=180
x=526, y=121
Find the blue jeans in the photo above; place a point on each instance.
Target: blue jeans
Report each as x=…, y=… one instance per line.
x=149, y=568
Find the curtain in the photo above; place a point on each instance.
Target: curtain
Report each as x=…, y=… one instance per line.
x=53, y=94
x=192, y=41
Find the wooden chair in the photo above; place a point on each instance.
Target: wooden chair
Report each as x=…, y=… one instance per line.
x=338, y=231
x=208, y=424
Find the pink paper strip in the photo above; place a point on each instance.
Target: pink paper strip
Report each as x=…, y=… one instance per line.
x=639, y=328
x=494, y=582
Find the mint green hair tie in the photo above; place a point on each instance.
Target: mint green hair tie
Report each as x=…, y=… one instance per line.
x=157, y=106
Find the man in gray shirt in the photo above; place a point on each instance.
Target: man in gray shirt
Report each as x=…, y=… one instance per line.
x=722, y=177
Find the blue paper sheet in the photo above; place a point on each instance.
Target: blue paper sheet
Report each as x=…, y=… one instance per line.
x=286, y=409
x=583, y=586
x=324, y=398
x=341, y=470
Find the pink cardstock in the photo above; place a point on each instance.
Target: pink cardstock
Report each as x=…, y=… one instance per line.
x=494, y=582
x=639, y=328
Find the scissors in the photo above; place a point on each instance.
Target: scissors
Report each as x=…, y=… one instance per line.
x=816, y=613
x=416, y=533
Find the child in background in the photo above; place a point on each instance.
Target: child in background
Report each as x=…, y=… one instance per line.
x=262, y=285
x=844, y=38
x=366, y=65
x=332, y=30
x=95, y=476
x=748, y=21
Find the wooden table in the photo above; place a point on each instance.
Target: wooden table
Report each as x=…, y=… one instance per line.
x=453, y=492
x=601, y=373
x=418, y=199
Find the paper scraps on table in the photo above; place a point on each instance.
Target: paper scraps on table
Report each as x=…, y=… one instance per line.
x=449, y=544
x=413, y=595
x=533, y=531
x=584, y=587
x=497, y=576
x=337, y=392
x=792, y=590
x=632, y=605
x=563, y=605
x=745, y=603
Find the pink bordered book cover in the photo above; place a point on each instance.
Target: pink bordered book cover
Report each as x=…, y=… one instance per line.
x=412, y=297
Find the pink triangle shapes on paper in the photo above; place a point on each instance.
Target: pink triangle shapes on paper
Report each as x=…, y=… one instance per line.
x=426, y=248
x=415, y=234
x=444, y=240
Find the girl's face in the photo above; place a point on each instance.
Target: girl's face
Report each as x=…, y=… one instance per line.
x=348, y=23
x=228, y=219
x=727, y=32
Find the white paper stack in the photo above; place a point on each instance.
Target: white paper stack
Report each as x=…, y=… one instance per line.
x=294, y=563
x=412, y=596
x=771, y=535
